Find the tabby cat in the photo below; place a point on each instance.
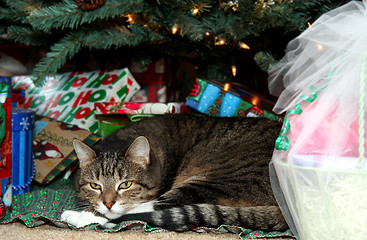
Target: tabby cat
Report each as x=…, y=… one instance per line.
x=180, y=172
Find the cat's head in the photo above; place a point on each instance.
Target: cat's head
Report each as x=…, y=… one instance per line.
x=113, y=181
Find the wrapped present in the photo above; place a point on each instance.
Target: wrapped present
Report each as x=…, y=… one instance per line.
x=108, y=124
x=225, y=100
x=18, y=98
x=130, y=108
x=23, y=166
x=70, y=97
x=113, y=116
x=5, y=147
x=153, y=79
x=53, y=147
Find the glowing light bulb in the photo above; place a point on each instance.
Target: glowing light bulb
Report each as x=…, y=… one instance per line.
x=207, y=33
x=310, y=26
x=220, y=42
x=234, y=71
x=130, y=19
x=255, y=101
x=174, y=29
x=195, y=11
x=244, y=46
x=319, y=47
x=226, y=87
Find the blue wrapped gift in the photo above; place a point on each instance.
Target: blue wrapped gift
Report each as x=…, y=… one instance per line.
x=23, y=167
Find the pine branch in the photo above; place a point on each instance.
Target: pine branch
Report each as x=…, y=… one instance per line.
x=11, y=15
x=148, y=24
x=264, y=60
x=59, y=53
x=190, y=27
x=22, y=8
x=223, y=23
x=28, y=36
x=67, y=47
x=68, y=15
x=56, y=16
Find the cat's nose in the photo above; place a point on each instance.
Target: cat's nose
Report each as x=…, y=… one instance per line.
x=109, y=204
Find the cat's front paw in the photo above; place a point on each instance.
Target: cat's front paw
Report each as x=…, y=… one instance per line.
x=81, y=219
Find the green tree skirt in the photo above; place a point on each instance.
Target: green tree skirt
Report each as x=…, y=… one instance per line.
x=45, y=204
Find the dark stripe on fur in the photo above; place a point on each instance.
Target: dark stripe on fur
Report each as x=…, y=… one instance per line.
x=177, y=217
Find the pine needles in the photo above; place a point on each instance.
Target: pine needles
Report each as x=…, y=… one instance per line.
x=213, y=29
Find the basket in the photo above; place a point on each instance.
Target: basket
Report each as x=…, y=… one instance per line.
x=323, y=197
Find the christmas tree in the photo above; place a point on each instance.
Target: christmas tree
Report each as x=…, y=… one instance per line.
x=214, y=34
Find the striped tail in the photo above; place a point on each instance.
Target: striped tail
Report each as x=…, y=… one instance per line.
x=187, y=217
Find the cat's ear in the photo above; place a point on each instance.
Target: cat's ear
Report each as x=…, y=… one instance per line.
x=85, y=154
x=140, y=149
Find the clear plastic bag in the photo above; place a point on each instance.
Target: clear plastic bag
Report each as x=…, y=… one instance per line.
x=320, y=177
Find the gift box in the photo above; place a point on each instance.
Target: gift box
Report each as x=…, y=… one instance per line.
x=70, y=97
x=109, y=124
x=113, y=116
x=5, y=147
x=228, y=100
x=18, y=98
x=23, y=166
x=153, y=79
x=53, y=148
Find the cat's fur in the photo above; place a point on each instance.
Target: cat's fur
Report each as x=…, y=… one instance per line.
x=184, y=171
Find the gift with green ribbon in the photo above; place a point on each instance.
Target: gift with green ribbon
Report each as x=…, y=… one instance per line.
x=319, y=168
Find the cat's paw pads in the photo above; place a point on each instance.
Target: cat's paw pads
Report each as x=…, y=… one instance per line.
x=81, y=219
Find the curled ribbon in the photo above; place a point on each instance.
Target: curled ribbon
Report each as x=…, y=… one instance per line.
x=282, y=142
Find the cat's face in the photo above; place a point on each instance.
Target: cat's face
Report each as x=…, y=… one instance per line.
x=113, y=182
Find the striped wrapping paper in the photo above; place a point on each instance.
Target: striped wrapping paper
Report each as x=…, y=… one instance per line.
x=23, y=167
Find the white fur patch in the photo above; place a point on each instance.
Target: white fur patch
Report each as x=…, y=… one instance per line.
x=142, y=208
x=81, y=219
x=115, y=212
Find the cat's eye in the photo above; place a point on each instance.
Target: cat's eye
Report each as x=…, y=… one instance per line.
x=95, y=186
x=125, y=185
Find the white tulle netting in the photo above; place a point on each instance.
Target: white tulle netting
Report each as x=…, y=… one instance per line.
x=319, y=169
x=327, y=59
x=335, y=45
